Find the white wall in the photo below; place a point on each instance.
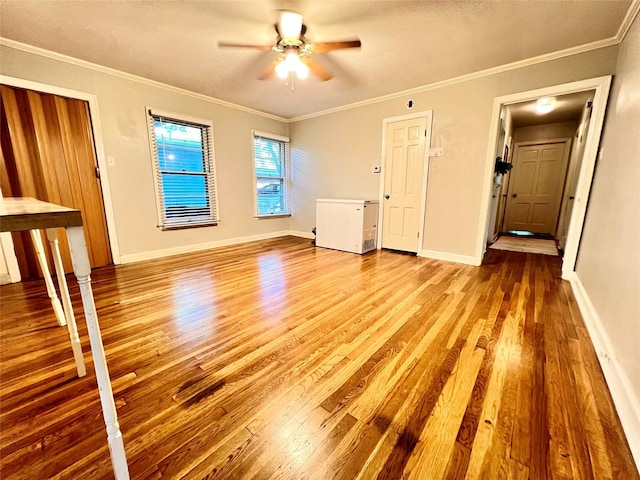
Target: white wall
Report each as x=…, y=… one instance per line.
x=547, y=131
x=608, y=266
x=9, y=270
x=122, y=103
x=4, y=269
x=333, y=154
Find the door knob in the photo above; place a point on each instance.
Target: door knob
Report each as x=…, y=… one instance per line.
x=514, y=195
x=386, y=196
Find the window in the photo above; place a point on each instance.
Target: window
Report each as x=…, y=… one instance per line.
x=184, y=168
x=271, y=166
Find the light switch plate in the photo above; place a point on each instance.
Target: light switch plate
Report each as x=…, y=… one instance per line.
x=436, y=152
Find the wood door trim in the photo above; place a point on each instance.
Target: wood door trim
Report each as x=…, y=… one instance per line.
x=38, y=129
x=94, y=114
x=529, y=143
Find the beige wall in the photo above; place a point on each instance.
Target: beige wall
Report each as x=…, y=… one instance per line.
x=547, y=131
x=609, y=260
x=333, y=154
x=123, y=123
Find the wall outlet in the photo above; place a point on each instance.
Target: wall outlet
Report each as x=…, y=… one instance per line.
x=436, y=152
x=376, y=169
x=111, y=161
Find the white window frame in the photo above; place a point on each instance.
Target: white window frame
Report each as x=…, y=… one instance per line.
x=286, y=182
x=187, y=221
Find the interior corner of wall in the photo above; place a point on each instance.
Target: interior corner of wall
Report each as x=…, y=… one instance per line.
x=624, y=397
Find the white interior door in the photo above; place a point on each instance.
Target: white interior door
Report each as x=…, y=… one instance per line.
x=535, y=189
x=403, y=180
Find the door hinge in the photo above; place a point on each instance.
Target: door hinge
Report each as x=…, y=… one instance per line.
x=97, y=172
x=425, y=132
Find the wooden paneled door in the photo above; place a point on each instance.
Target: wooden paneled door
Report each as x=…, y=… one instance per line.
x=403, y=179
x=535, y=187
x=47, y=152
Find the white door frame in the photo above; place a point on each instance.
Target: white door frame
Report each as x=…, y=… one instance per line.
x=601, y=85
x=92, y=100
x=428, y=116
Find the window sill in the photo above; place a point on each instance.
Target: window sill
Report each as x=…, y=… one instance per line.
x=165, y=228
x=275, y=215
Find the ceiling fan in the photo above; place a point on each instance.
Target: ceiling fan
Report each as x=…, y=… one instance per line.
x=295, y=50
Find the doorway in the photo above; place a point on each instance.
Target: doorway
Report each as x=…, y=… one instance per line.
x=405, y=142
x=48, y=152
x=600, y=87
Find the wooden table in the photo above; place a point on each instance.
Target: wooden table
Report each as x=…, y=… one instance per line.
x=20, y=214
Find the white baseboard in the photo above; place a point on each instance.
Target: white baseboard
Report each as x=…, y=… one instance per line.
x=298, y=233
x=450, y=257
x=624, y=398
x=138, y=257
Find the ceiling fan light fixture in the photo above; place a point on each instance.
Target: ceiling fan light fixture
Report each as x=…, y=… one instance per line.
x=295, y=52
x=292, y=60
x=282, y=70
x=302, y=71
x=290, y=25
x=291, y=63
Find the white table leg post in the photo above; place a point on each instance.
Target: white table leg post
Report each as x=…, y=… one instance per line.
x=82, y=269
x=51, y=290
x=52, y=236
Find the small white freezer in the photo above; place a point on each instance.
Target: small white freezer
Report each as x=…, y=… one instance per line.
x=346, y=224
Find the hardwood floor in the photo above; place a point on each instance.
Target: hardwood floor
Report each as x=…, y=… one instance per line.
x=279, y=360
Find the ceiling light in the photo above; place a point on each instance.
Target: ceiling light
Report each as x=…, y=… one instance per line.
x=545, y=105
x=290, y=64
x=292, y=60
x=290, y=25
x=282, y=70
x=302, y=71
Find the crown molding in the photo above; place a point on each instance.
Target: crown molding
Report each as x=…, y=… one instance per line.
x=608, y=42
x=628, y=19
x=135, y=78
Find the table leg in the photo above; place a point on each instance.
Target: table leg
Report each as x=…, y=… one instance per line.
x=51, y=290
x=82, y=269
x=52, y=236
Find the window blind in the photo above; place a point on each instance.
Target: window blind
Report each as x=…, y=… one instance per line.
x=271, y=167
x=184, y=168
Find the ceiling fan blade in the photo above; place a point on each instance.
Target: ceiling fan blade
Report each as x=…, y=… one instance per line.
x=246, y=45
x=322, y=47
x=317, y=69
x=270, y=70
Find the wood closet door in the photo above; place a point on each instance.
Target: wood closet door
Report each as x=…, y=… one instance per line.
x=47, y=152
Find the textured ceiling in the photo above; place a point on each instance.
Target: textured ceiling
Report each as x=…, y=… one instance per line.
x=405, y=44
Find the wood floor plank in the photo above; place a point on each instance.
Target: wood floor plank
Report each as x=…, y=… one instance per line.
x=276, y=359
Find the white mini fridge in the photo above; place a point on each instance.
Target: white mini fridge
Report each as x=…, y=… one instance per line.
x=348, y=225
